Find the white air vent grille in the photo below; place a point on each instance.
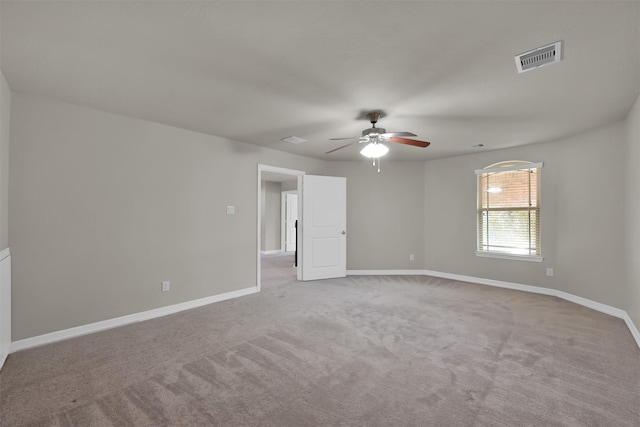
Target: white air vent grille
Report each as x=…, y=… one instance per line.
x=539, y=57
x=294, y=140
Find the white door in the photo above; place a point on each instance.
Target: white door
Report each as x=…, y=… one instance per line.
x=324, y=227
x=291, y=215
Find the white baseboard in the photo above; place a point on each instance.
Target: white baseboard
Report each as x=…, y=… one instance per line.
x=603, y=308
x=5, y=305
x=271, y=251
x=125, y=320
x=164, y=311
x=385, y=273
x=632, y=327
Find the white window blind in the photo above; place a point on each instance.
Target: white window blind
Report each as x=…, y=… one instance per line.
x=509, y=209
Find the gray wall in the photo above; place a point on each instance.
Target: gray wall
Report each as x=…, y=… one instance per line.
x=385, y=214
x=105, y=207
x=632, y=211
x=289, y=185
x=582, y=214
x=271, y=217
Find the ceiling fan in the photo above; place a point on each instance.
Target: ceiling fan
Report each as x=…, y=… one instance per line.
x=376, y=136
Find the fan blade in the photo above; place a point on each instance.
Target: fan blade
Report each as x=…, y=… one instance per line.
x=413, y=142
x=392, y=134
x=340, y=139
x=344, y=146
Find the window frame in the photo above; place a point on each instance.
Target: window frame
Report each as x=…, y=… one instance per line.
x=507, y=166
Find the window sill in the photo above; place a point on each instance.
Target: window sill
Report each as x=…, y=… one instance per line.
x=501, y=255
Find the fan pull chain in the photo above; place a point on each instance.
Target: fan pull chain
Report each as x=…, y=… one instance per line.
x=374, y=163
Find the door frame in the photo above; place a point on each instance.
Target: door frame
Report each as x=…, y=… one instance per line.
x=282, y=171
x=283, y=217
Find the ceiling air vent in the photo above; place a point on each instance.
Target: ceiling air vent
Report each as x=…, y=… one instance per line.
x=539, y=57
x=294, y=140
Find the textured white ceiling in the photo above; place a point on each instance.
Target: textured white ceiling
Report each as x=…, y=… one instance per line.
x=261, y=71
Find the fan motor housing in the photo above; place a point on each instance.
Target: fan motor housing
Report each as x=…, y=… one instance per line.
x=376, y=131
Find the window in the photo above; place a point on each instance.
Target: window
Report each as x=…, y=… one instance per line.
x=509, y=211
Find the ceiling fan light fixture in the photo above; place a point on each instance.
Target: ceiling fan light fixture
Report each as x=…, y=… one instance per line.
x=374, y=150
x=374, y=136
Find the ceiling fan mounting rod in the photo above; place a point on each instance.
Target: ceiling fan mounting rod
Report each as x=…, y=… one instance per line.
x=373, y=117
x=374, y=131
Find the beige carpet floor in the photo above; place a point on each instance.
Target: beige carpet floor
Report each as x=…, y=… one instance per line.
x=359, y=351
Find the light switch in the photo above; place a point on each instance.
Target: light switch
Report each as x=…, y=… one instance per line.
x=231, y=210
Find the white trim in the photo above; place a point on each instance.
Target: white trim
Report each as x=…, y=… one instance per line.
x=283, y=214
x=632, y=327
x=523, y=166
x=283, y=171
x=125, y=320
x=385, y=273
x=277, y=169
x=491, y=282
x=272, y=251
x=5, y=305
x=164, y=311
x=502, y=255
x=603, y=308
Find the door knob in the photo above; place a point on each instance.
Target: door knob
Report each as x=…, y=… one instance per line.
x=344, y=232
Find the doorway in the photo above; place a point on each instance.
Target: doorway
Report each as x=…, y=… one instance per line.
x=321, y=235
x=273, y=183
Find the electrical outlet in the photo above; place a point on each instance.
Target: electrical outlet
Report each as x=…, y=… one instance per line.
x=412, y=257
x=166, y=286
x=549, y=272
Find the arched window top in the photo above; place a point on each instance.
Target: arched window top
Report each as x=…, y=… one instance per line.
x=508, y=163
